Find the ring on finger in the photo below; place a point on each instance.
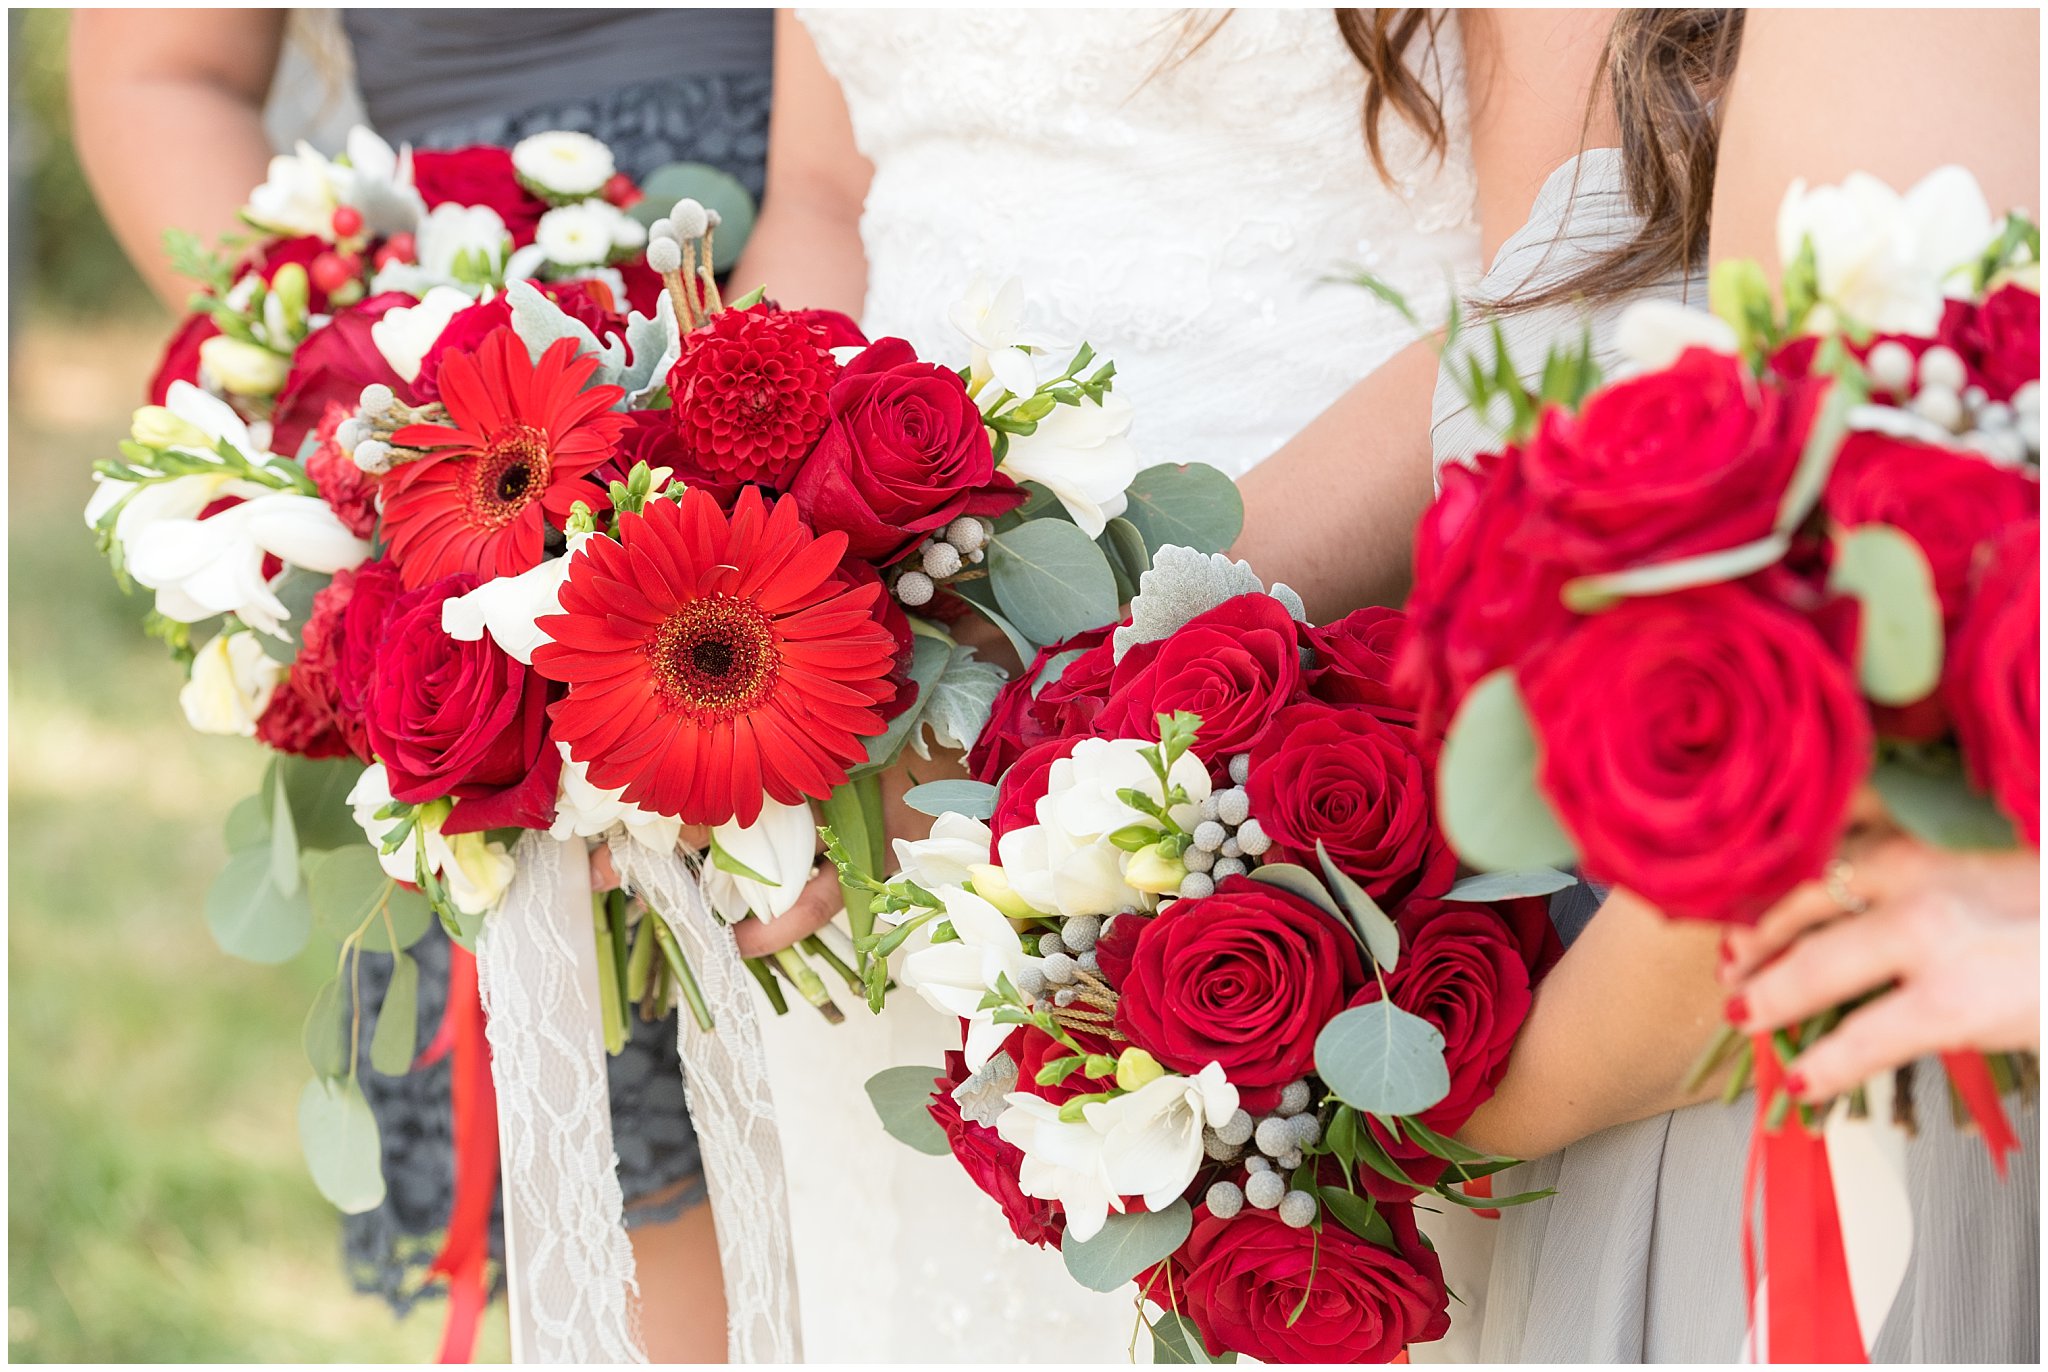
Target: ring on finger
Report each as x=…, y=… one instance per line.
x=1836, y=879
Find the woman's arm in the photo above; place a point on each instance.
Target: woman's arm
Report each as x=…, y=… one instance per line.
x=1366, y=459
x=806, y=247
x=1816, y=95
x=168, y=108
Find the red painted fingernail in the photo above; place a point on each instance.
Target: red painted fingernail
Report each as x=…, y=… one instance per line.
x=1795, y=1085
x=1736, y=1011
x=1727, y=952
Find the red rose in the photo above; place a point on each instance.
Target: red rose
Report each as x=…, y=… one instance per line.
x=1012, y=728
x=331, y=367
x=1031, y=1048
x=1072, y=704
x=305, y=714
x=342, y=484
x=1993, y=682
x=1117, y=947
x=1461, y=969
x=904, y=453
x=993, y=1163
x=1360, y=786
x=750, y=396
x=1998, y=340
x=1355, y=663
x=1235, y=666
x=180, y=361
x=1246, y=977
x=1023, y=785
x=463, y=719
x=1029, y=710
x=1693, y=459
x=479, y=176
x=370, y=590
x=1479, y=602
x=1255, y=1286
x=1701, y=747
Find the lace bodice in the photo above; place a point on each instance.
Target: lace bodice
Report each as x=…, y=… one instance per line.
x=1176, y=206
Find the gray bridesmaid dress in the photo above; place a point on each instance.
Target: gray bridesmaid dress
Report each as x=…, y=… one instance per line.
x=1637, y=1258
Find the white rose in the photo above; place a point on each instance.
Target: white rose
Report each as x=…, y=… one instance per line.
x=1062, y=1162
x=1083, y=455
x=781, y=846
x=405, y=334
x=564, y=162
x=585, y=810
x=231, y=685
x=580, y=235
x=955, y=975
x=1884, y=260
x=244, y=368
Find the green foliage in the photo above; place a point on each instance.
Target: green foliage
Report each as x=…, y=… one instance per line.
x=1931, y=800
x=1380, y=1059
x=1493, y=886
x=900, y=1095
x=1193, y=505
x=1374, y=929
x=975, y=799
x=339, y=1136
x=1899, y=639
x=251, y=918
x=1051, y=580
x=1126, y=1246
x=1487, y=798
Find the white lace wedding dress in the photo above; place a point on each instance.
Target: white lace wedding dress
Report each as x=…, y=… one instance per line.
x=1180, y=215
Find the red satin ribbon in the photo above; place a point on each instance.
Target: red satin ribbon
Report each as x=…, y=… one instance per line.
x=1811, y=1316
x=1971, y=1077
x=1483, y=1188
x=467, y=1249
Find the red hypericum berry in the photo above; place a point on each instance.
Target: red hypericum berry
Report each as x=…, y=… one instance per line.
x=331, y=271
x=397, y=248
x=621, y=191
x=347, y=221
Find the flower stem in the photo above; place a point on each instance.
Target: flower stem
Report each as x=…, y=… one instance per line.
x=607, y=978
x=769, y=986
x=854, y=812
x=807, y=982
x=816, y=947
x=679, y=967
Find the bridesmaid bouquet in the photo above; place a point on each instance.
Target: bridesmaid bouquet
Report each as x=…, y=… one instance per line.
x=465, y=493
x=1222, y=994
x=1678, y=621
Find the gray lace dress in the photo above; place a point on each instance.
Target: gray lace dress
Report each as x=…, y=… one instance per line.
x=1637, y=1258
x=658, y=86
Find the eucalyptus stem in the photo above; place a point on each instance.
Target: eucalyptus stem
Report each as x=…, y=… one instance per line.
x=607, y=978
x=679, y=967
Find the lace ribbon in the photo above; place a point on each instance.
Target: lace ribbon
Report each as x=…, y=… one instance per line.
x=725, y=1073
x=569, y=1268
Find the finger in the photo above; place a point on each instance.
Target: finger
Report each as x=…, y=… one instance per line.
x=1841, y=960
x=1889, y=1032
x=1808, y=906
x=603, y=876
x=815, y=906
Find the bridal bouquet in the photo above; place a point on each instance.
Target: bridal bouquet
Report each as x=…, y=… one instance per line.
x=1223, y=996
x=465, y=493
x=1679, y=620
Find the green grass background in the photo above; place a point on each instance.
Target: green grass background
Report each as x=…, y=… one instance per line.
x=158, y=1209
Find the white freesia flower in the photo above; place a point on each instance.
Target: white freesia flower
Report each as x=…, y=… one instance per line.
x=476, y=870
x=564, y=162
x=231, y=685
x=405, y=334
x=201, y=568
x=464, y=246
x=991, y=317
x=782, y=846
x=1065, y=861
x=957, y=845
x=1062, y=1162
x=191, y=422
x=1887, y=261
x=378, y=182
x=1083, y=455
x=1653, y=334
x=954, y=976
x=579, y=235
x=586, y=810
x=297, y=196
x=242, y=367
x=1152, y=1137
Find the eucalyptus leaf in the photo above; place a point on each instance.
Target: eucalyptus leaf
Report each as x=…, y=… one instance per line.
x=1941, y=808
x=901, y=1097
x=1375, y=930
x=1126, y=1246
x=1590, y=594
x=284, y=844
x=1194, y=505
x=325, y=1035
x=978, y=594
x=1899, y=639
x=1358, y=1214
x=1492, y=886
x=339, y=1136
x=1487, y=798
x=350, y=890
x=975, y=799
x=1298, y=881
x=715, y=190
x=249, y=917
x=1129, y=558
x=295, y=587
x=318, y=790
x=248, y=824
x=1177, y=1342
x=393, y=1042
x=1051, y=580
x=1380, y=1059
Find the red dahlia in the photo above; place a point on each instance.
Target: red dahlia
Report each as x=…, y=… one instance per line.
x=712, y=658
x=749, y=395
x=522, y=436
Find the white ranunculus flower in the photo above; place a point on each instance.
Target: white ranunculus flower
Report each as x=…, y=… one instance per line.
x=1083, y=455
x=1065, y=861
x=231, y=685
x=1152, y=1137
x=579, y=235
x=564, y=162
x=405, y=334
x=1653, y=334
x=297, y=197
x=1062, y=1162
x=244, y=368
x=991, y=317
x=201, y=568
x=955, y=975
x=585, y=810
x=477, y=870
x=957, y=845
x=782, y=846
x=1888, y=261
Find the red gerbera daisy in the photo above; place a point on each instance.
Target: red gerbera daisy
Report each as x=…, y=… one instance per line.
x=711, y=659
x=522, y=436
x=749, y=395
